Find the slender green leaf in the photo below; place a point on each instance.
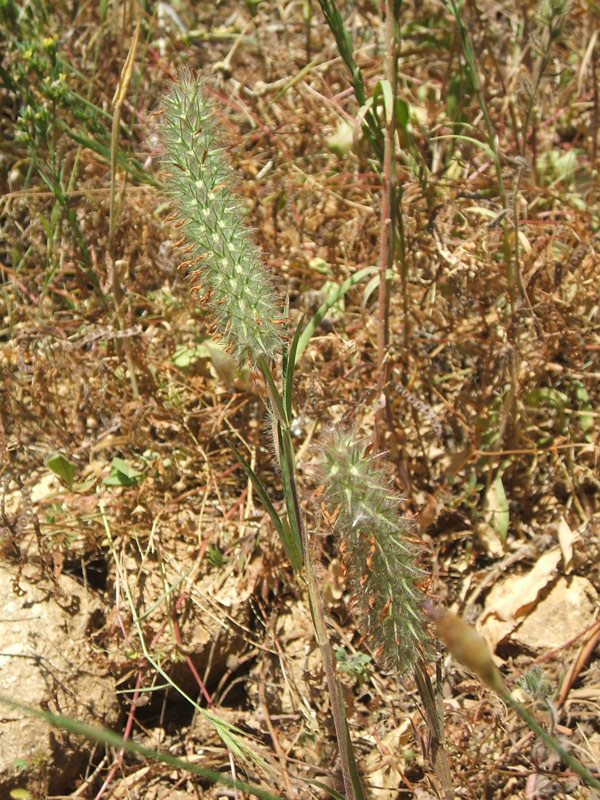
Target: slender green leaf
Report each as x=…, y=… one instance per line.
x=383, y=92
x=370, y=288
x=274, y=396
x=402, y=113
x=461, y=137
x=333, y=298
x=291, y=545
x=286, y=459
x=107, y=737
x=288, y=370
x=324, y=788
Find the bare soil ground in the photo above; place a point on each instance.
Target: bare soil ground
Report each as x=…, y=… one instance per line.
x=156, y=563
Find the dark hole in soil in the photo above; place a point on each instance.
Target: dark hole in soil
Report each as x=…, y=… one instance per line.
x=91, y=571
x=167, y=710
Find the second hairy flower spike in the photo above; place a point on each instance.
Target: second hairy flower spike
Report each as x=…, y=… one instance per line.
x=378, y=559
x=236, y=286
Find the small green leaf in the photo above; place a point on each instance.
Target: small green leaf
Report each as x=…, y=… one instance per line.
x=402, y=113
x=586, y=419
x=215, y=556
x=287, y=375
x=61, y=466
x=543, y=397
x=21, y=794
x=319, y=264
x=122, y=474
x=357, y=665
x=383, y=92
x=252, y=6
x=184, y=357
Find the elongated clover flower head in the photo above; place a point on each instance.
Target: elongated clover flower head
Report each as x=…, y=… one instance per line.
x=237, y=288
x=378, y=559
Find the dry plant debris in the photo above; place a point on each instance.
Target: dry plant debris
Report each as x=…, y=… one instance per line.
x=493, y=434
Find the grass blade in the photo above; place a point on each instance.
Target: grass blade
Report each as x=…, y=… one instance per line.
x=107, y=737
x=289, y=363
x=321, y=312
x=290, y=542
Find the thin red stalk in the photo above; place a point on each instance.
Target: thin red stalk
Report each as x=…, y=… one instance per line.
x=189, y=661
x=126, y=735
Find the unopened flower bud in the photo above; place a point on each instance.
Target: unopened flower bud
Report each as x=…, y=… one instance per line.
x=467, y=646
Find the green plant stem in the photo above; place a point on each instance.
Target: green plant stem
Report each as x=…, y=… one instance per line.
x=386, y=235
x=371, y=128
x=513, y=269
x=434, y=714
x=351, y=777
x=350, y=774
x=550, y=741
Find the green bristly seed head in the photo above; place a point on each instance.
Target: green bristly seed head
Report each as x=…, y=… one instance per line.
x=378, y=559
x=237, y=288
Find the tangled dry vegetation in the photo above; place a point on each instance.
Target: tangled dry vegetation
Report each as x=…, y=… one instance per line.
x=152, y=544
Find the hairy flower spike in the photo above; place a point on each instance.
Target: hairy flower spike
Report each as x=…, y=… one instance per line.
x=239, y=292
x=378, y=559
